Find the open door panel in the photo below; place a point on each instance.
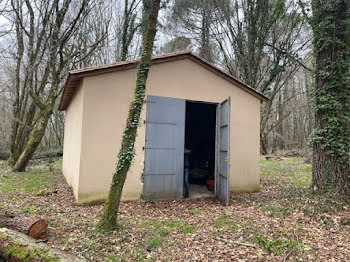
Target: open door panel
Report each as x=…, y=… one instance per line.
x=223, y=151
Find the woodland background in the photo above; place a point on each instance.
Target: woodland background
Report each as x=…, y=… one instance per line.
x=297, y=53
x=267, y=44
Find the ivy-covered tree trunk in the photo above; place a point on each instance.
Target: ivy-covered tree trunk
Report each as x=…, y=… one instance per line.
x=331, y=135
x=108, y=220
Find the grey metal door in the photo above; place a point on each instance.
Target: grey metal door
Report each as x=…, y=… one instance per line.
x=223, y=152
x=164, y=150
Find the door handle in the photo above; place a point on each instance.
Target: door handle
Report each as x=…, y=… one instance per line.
x=227, y=160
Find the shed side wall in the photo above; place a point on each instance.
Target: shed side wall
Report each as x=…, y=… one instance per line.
x=72, y=140
x=106, y=102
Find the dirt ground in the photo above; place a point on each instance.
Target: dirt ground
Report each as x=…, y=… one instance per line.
x=282, y=222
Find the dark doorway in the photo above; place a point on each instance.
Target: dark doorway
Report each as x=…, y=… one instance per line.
x=200, y=132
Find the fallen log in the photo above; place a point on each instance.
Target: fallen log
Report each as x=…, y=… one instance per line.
x=34, y=227
x=18, y=247
x=5, y=217
x=31, y=226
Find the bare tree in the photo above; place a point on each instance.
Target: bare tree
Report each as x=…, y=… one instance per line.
x=45, y=48
x=129, y=26
x=96, y=39
x=194, y=19
x=260, y=42
x=177, y=44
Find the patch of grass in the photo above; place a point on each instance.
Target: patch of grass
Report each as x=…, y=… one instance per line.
x=322, y=204
x=173, y=224
x=158, y=232
x=112, y=258
x=195, y=211
x=51, y=168
x=291, y=192
x=163, y=232
x=277, y=246
x=292, y=170
x=28, y=182
x=164, y=228
x=276, y=211
x=225, y=222
x=28, y=211
x=155, y=242
x=45, y=192
x=188, y=229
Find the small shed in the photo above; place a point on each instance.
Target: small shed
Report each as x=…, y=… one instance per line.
x=197, y=120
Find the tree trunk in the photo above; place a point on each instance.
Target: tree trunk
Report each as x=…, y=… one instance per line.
x=109, y=217
x=34, y=140
x=263, y=144
x=16, y=104
x=331, y=139
x=21, y=134
x=280, y=129
x=205, y=49
x=125, y=33
x=319, y=179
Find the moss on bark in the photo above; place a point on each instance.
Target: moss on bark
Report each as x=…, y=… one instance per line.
x=18, y=247
x=34, y=140
x=13, y=251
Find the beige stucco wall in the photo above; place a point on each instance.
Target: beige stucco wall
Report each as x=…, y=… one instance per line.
x=106, y=101
x=72, y=140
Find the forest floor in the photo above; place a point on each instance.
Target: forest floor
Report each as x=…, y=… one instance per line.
x=282, y=222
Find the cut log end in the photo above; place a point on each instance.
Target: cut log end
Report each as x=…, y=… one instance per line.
x=38, y=229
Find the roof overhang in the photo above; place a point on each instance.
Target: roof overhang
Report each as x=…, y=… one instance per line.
x=75, y=76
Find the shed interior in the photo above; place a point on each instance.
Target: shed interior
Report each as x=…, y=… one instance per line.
x=200, y=133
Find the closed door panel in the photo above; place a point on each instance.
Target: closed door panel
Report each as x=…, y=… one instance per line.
x=160, y=162
x=161, y=135
x=164, y=150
